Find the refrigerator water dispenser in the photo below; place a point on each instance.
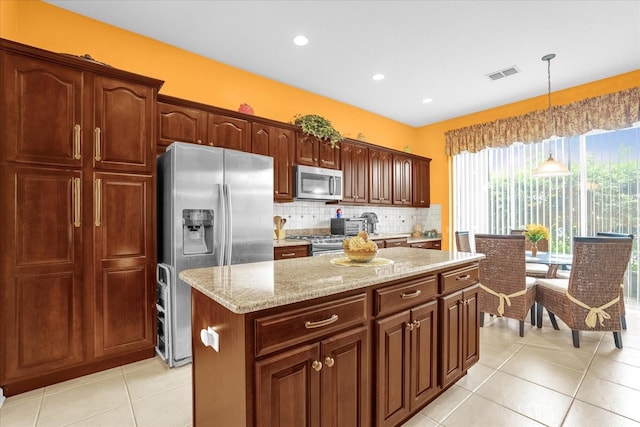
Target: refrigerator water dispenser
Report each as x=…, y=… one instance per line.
x=197, y=231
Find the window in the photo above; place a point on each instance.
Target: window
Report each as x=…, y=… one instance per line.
x=494, y=191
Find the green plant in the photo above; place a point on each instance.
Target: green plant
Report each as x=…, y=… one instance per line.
x=536, y=232
x=319, y=127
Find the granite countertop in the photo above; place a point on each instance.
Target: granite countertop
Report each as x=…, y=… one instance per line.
x=244, y=288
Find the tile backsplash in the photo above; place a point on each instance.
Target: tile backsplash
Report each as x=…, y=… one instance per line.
x=317, y=215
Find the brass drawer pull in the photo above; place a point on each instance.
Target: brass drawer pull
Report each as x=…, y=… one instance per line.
x=98, y=201
x=321, y=323
x=76, y=202
x=96, y=133
x=288, y=254
x=76, y=142
x=329, y=361
x=465, y=277
x=411, y=294
x=316, y=365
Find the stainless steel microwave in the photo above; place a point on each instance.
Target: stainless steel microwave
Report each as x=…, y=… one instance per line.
x=313, y=183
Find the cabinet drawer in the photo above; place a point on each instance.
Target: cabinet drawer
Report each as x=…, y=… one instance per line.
x=396, y=243
x=411, y=293
x=283, y=330
x=454, y=280
x=290, y=252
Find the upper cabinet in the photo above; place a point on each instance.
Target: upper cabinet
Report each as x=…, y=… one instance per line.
x=186, y=121
x=178, y=123
x=421, y=183
x=278, y=143
x=312, y=151
x=402, y=180
x=355, y=170
x=380, y=176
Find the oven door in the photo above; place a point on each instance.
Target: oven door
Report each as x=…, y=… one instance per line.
x=327, y=252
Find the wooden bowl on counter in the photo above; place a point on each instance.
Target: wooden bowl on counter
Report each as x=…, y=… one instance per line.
x=360, y=256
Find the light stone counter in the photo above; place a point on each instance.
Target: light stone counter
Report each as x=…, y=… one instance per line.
x=245, y=288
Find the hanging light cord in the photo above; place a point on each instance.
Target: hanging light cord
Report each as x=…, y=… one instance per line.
x=548, y=58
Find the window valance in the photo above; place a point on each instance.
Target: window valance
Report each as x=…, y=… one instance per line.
x=607, y=112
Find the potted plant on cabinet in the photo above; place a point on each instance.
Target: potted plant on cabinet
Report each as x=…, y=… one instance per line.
x=319, y=127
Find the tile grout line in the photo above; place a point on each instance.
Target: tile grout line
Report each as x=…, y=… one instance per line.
x=126, y=386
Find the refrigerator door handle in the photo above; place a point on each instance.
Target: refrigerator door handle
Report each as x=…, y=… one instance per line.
x=228, y=224
x=222, y=226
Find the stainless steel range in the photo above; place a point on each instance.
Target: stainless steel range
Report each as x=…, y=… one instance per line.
x=323, y=244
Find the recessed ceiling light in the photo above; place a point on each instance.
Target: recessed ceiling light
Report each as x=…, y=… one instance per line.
x=427, y=100
x=377, y=76
x=300, y=40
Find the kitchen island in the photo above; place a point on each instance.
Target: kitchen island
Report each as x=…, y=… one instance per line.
x=306, y=341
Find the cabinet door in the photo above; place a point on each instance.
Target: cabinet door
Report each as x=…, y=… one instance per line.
x=123, y=128
x=124, y=263
x=421, y=183
x=312, y=151
x=41, y=296
x=424, y=356
x=228, y=132
x=288, y=388
x=402, y=181
x=345, y=380
x=392, y=369
x=452, y=331
x=355, y=169
x=177, y=123
x=380, y=173
x=42, y=112
x=471, y=335
x=279, y=144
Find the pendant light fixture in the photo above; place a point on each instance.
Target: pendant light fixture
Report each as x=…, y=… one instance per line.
x=550, y=167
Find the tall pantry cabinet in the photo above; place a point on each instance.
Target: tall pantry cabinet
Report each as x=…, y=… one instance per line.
x=77, y=148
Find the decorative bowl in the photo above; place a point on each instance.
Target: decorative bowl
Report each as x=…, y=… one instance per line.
x=360, y=256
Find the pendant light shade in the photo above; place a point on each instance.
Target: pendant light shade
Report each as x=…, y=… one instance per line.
x=550, y=168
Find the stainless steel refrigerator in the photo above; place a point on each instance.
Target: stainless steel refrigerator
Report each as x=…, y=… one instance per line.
x=215, y=207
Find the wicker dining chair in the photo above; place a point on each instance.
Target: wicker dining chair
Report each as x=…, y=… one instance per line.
x=589, y=299
x=505, y=289
x=535, y=269
x=463, y=243
x=623, y=318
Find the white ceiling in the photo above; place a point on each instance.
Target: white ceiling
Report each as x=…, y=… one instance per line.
x=427, y=49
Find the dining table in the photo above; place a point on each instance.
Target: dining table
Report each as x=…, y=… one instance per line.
x=554, y=260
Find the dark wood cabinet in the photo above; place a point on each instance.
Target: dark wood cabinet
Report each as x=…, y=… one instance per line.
x=179, y=123
x=430, y=244
x=228, y=132
x=460, y=337
x=124, y=262
x=355, y=170
x=312, y=151
x=323, y=384
x=278, y=143
x=402, y=180
x=421, y=183
x=380, y=176
x=396, y=243
x=285, y=252
x=406, y=350
x=78, y=203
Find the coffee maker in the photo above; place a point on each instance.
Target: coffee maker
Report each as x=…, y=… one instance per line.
x=371, y=222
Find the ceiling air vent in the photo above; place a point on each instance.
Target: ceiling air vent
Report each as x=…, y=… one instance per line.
x=503, y=73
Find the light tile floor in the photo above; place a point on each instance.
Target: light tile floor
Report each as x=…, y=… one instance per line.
x=540, y=379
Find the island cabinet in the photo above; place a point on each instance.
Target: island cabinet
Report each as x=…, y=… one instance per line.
x=279, y=143
x=355, y=171
x=305, y=366
x=186, y=121
x=312, y=151
x=77, y=192
x=380, y=176
x=460, y=323
x=406, y=349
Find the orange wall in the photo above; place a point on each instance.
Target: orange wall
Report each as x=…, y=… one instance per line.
x=187, y=75
x=194, y=77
